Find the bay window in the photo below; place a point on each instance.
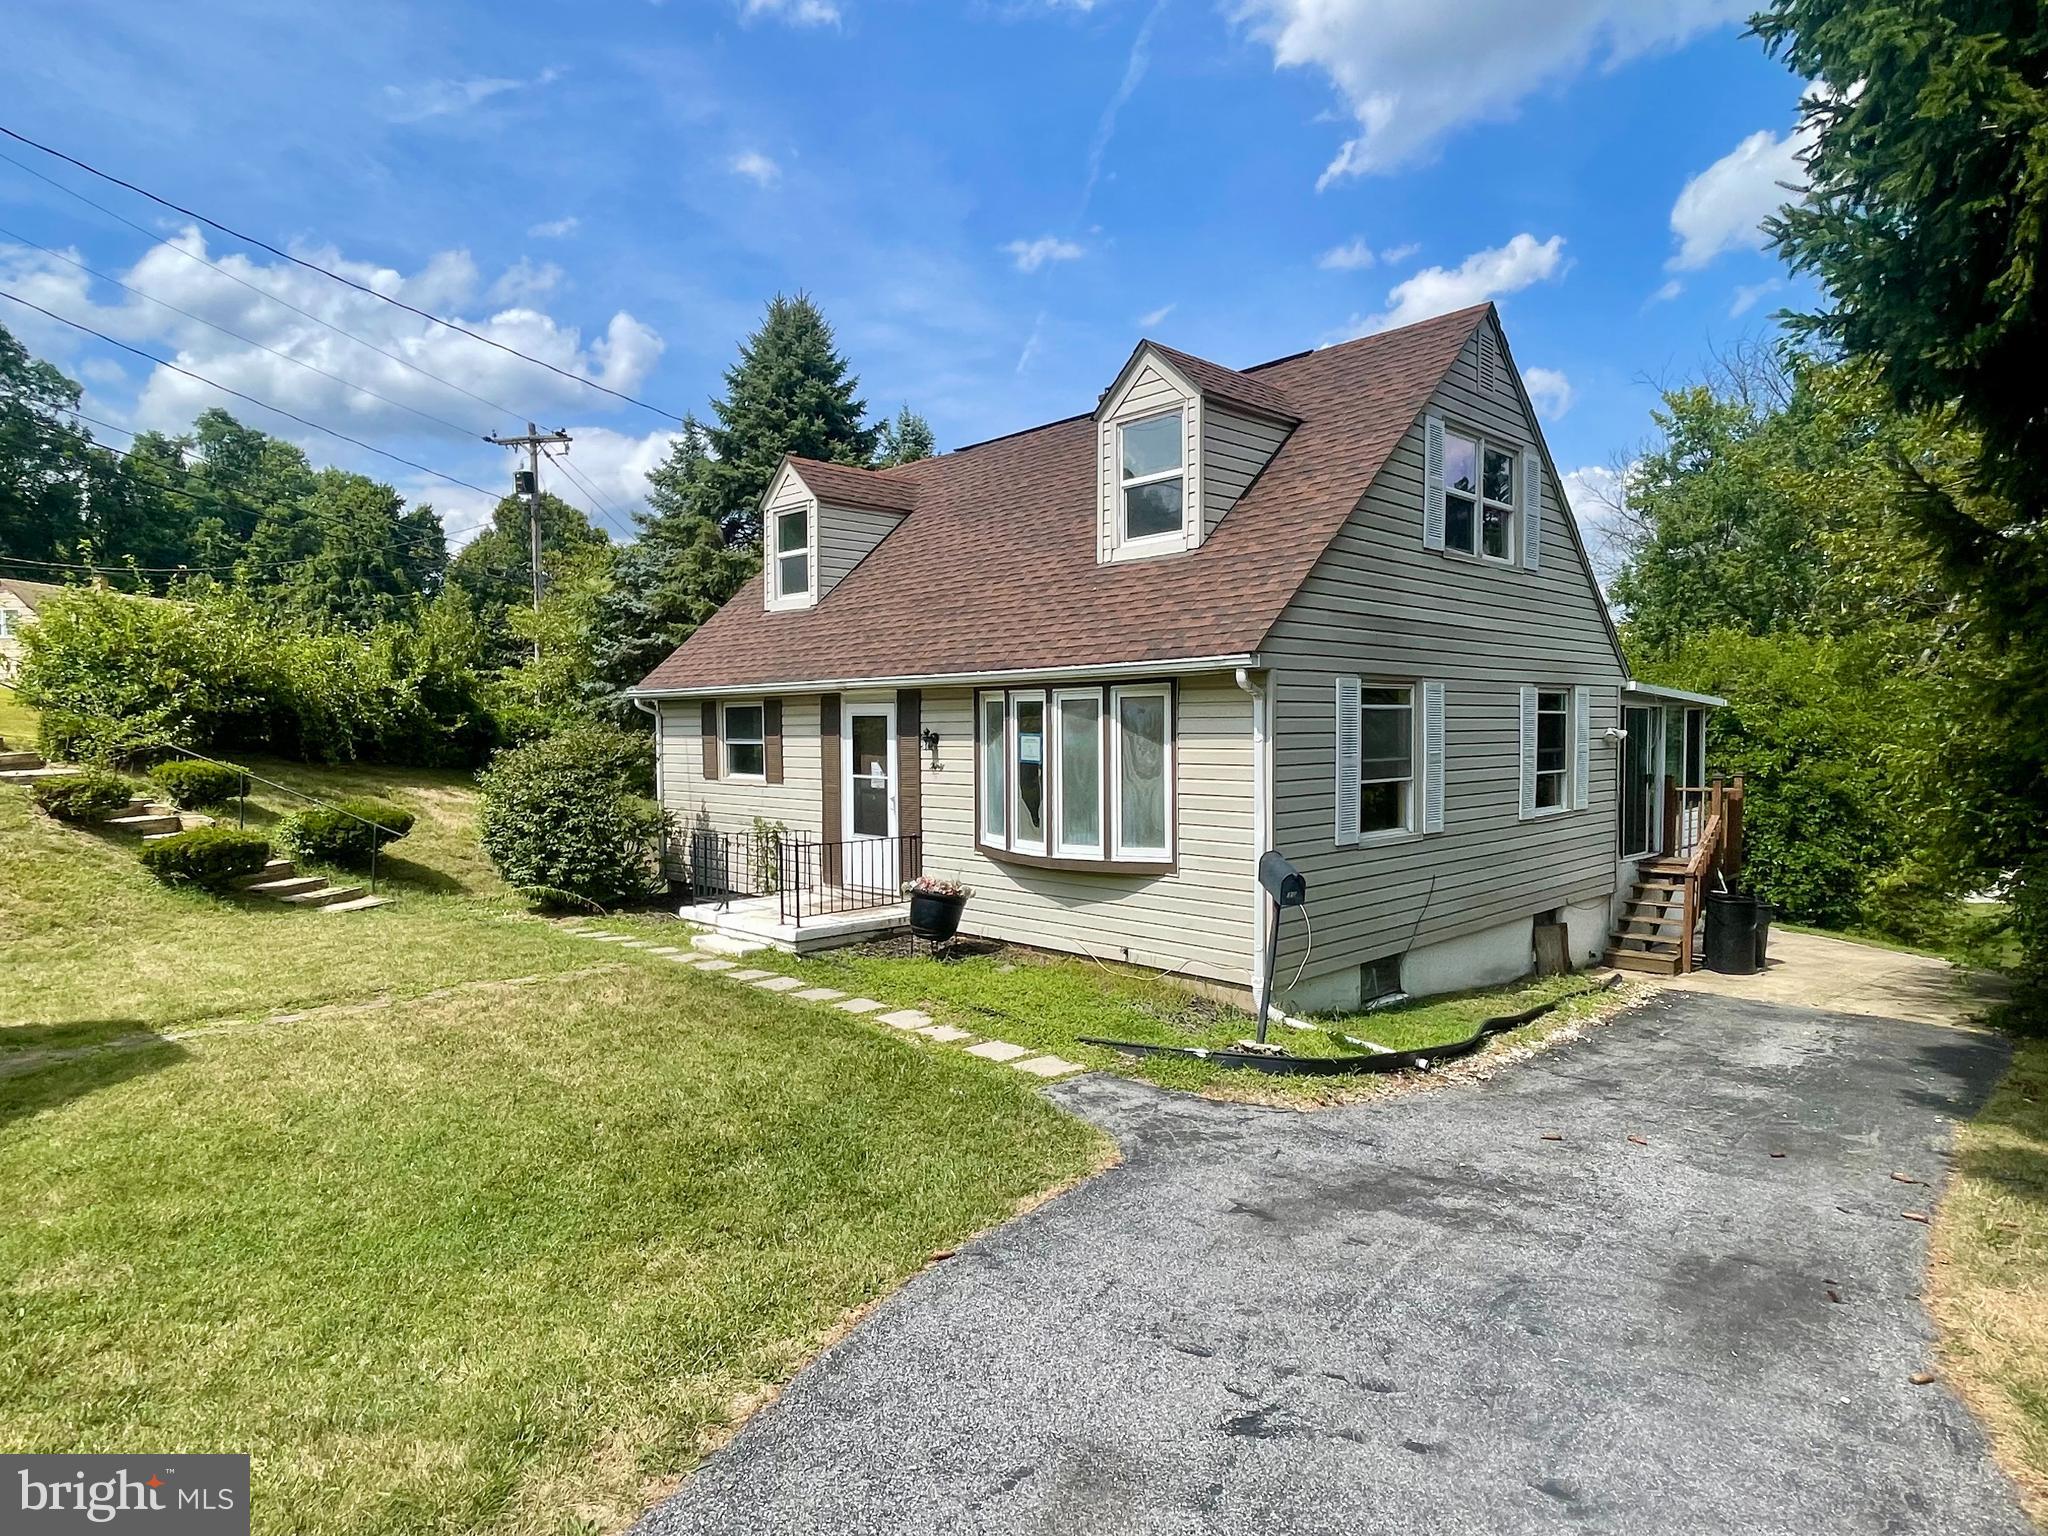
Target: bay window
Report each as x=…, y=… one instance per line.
x=1077, y=777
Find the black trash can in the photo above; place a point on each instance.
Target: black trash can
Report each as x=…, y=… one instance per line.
x=1731, y=933
x=1764, y=913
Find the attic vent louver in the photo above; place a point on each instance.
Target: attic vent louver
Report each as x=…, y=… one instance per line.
x=1487, y=368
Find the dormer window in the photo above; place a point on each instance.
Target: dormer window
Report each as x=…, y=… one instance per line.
x=1150, y=453
x=793, y=554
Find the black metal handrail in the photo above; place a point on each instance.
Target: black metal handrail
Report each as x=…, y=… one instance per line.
x=857, y=874
x=728, y=864
x=242, y=799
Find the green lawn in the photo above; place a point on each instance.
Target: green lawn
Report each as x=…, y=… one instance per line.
x=17, y=722
x=498, y=1258
x=1049, y=1002
x=1990, y=1272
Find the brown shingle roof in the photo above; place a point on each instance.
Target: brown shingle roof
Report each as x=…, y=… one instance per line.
x=848, y=485
x=995, y=570
x=1248, y=391
x=35, y=593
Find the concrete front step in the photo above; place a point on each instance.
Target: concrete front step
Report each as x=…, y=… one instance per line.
x=291, y=885
x=328, y=896
x=144, y=824
x=30, y=775
x=359, y=904
x=19, y=760
x=276, y=869
x=719, y=944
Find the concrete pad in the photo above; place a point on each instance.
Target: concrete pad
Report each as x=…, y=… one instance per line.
x=907, y=1018
x=778, y=983
x=1048, y=1066
x=945, y=1034
x=859, y=1005
x=664, y=949
x=721, y=965
x=997, y=1050
x=818, y=995
x=719, y=944
x=748, y=975
x=1812, y=970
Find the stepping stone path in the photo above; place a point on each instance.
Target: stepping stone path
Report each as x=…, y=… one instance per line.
x=710, y=952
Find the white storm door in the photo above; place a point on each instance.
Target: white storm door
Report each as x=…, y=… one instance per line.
x=870, y=797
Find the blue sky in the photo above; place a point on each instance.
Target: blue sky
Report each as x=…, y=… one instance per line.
x=992, y=200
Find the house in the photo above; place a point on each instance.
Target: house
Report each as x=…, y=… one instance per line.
x=1334, y=605
x=19, y=602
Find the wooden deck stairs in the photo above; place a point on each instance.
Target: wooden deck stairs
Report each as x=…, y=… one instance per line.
x=1660, y=927
x=1650, y=935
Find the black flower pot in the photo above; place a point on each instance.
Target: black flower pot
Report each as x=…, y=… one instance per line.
x=935, y=918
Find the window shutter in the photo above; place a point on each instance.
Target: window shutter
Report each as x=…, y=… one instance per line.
x=1528, y=752
x=1532, y=510
x=1432, y=482
x=708, y=714
x=771, y=739
x=1582, y=748
x=1432, y=757
x=910, y=782
x=1350, y=751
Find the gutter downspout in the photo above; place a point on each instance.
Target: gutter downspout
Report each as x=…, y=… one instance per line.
x=1262, y=814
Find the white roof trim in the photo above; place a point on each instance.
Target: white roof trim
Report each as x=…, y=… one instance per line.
x=1672, y=695
x=955, y=679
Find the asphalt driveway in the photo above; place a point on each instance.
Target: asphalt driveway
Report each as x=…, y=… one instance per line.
x=1424, y=1316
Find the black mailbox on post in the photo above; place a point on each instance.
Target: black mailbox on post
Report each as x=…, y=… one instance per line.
x=1283, y=882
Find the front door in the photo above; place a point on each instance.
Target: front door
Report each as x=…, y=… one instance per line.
x=870, y=797
x=1642, y=823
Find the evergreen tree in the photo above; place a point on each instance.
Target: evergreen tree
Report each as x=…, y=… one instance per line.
x=790, y=392
x=905, y=440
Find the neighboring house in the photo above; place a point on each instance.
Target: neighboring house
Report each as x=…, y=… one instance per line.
x=1334, y=605
x=19, y=602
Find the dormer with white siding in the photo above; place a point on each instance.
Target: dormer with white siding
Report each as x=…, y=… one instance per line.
x=1178, y=441
x=818, y=521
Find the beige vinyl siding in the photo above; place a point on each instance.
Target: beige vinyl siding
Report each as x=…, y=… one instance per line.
x=1379, y=605
x=1196, y=920
x=1234, y=449
x=730, y=805
x=846, y=536
x=1150, y=390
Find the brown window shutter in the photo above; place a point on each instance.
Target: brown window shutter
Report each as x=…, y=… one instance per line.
x=771, y=738
x=709, y=730
x=832, y=824
x=909, y=784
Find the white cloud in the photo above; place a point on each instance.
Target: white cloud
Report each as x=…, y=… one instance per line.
x=798, y=13
x=1549, y=391
x=1482, y=275
x=450, y=98
x=447, y=284
x=525, y=280
x=554, y=229
x=1664, y=295
x=1352, y=257
x=756, y=167
x=1394, y=255
x=1154, y=317
x=1030, y=255
x=1723, y=207
x=1594, y=493
x=1412, y=71
x=1747, y=296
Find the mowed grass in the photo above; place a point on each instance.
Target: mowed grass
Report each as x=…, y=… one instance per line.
x=1051, y=1002
x=1989, y=1288
x=492, y=1259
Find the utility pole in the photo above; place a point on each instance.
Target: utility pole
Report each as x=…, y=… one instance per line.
x=527, y=482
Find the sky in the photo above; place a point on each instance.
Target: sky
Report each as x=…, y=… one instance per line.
x=991, y=200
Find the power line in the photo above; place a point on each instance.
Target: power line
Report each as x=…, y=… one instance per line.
x=597, y=501
x=313, y=266
x=250, y=341
x=262, y=404
x=156, y=239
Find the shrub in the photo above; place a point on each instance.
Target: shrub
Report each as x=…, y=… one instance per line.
x=341, y=833
x=206, y=856
x=559, y=823
x=196, y=786
x=83, y=796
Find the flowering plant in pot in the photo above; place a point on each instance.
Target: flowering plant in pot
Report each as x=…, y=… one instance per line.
x=935, y=907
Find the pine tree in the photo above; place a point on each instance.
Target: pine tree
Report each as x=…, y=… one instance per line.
x=905, y=440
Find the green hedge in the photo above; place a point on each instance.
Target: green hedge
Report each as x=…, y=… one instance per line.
x=210, y=856
x=196, y=786
x=82, y=797
x=559, y=823
x=341, y=834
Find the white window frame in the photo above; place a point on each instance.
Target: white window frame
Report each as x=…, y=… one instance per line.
x=1115, y=780
x=727, y=740
x=1014, y=806
x=1481, y=501
x=778, y=598
x=1056, y=787
x=1563, y=775
x=1173, y=538
x=982, y=701
x=1411, y=820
